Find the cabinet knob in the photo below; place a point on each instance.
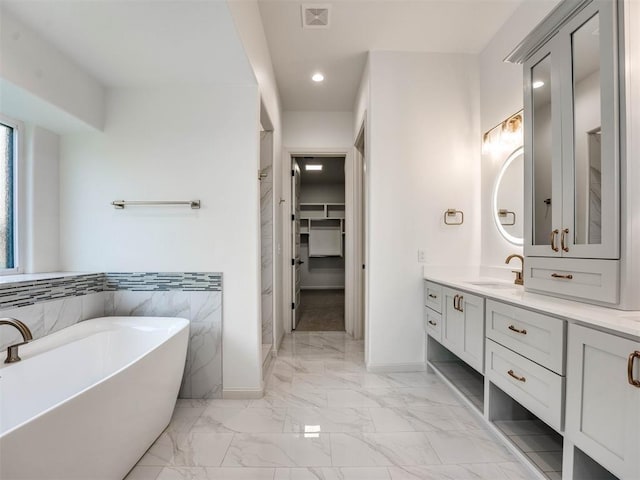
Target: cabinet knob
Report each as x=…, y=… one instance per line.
x=632, y=381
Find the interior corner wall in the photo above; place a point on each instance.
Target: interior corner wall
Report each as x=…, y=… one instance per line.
x=248, y=22
x=424, y=158
x=501, y=95
x=174, y=143
x=35, y=66
x=42, y=200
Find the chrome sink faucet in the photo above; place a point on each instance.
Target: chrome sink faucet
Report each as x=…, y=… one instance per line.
x=12, y=350
x=519, y=274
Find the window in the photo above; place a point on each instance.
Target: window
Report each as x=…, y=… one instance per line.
x=8, y=166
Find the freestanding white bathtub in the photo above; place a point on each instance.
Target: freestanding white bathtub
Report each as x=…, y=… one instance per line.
x=87, y=401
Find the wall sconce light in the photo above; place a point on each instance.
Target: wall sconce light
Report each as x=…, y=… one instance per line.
x=507, y=135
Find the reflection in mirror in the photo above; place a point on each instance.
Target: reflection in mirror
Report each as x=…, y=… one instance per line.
x=586, y=130
x=542, y=165
x=508, y=198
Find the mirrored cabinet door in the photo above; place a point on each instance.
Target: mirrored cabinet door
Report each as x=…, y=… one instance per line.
x=543, y=152
x=590, y=170
x=571, y=151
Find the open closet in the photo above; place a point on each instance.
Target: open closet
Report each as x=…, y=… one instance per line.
x=320, y=225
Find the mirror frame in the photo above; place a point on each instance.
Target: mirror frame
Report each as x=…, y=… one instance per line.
x=518, y=152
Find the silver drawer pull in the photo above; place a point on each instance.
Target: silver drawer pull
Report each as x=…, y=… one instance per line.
x=431, y=295
x=566, y=277
x=520, y=379
x=514, y=329
x=432, y=323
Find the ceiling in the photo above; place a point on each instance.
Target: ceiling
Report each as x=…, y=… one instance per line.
x=332, y=170
x=141, y=42
x=125, y=43
x=357, y=26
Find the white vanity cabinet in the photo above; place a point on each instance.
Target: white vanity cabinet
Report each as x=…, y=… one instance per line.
x=463, y=326
x=572, y=158
x=603, y=403
x=526, y=359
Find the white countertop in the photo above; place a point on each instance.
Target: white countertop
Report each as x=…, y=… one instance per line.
x=620, y=321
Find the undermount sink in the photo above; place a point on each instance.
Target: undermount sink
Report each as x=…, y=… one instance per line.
x=489, y=284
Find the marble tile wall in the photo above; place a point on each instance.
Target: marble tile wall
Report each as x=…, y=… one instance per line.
x=266, y=225
x=49, y=305
x=46, y=317
x=203, y=370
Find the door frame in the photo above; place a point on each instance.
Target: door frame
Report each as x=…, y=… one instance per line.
x=352, y=208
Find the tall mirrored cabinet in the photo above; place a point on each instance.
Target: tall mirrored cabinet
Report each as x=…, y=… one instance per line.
x=572, y=152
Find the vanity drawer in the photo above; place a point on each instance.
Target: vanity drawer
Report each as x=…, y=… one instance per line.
x=534, y=387
x=540, y=338
x=433, y=296
x=595, y=280
x=433, y=324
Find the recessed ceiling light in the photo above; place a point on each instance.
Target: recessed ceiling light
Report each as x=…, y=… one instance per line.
x=317, y=77
x=538, y=84
x=313, y=167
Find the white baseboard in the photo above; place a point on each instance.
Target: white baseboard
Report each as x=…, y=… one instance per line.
x=242, y=393
x=396, y=367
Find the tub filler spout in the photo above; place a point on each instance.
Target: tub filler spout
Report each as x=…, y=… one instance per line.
x=12, y=350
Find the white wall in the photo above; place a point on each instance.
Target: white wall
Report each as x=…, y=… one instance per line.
x=40, y=69
x=501, y=95
x=317, y=130
x=164, y=144
x=318, y=193
x=424, y=158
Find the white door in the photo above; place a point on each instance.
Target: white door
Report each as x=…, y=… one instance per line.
x=295, y=254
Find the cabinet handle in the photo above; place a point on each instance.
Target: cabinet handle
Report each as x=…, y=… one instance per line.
x=632, y=381
x=432, y=323
x=520, y=379
x=553, y=240
x=565, y=232
x=455, y=302
x=431, y=295
x=514, y=329
x=566, y=277
x=460, y=309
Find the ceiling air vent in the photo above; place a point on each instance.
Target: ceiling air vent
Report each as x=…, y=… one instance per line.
x=315, y=16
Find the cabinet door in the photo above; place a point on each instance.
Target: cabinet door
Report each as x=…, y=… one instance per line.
x=542, y=153
x=591, y=225
x=452, y=322
x=603, y=407
x=473, y=320
x=463, y=326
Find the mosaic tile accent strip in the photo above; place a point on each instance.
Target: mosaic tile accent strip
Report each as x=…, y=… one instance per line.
x=20, y=294
x=162, y=282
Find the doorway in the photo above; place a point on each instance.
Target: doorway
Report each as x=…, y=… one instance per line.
x=318, y=241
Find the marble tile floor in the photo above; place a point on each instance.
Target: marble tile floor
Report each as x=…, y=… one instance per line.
x=323, y=416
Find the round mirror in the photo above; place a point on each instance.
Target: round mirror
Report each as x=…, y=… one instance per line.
x=508, y=198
